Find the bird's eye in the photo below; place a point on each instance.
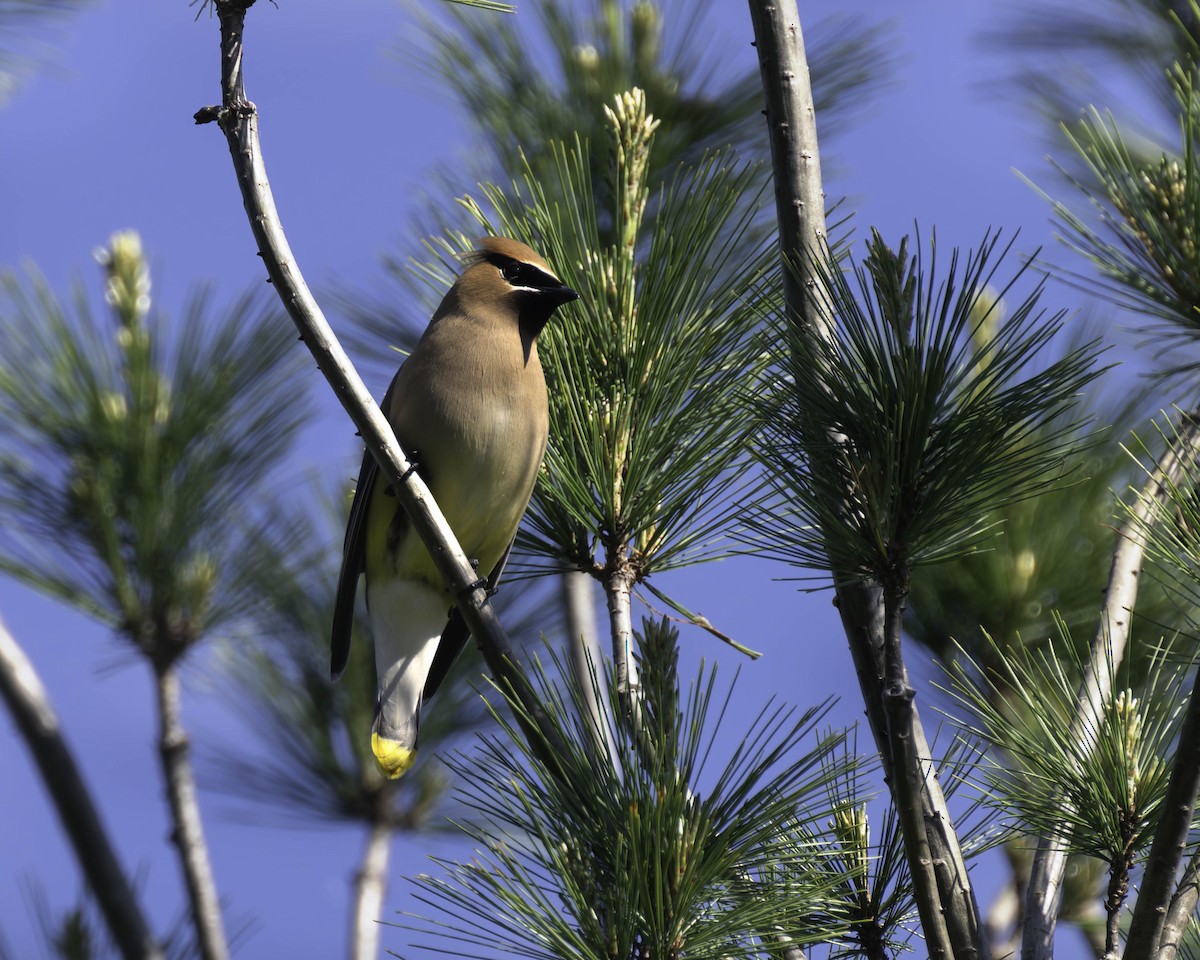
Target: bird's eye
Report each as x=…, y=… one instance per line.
x=521, y=274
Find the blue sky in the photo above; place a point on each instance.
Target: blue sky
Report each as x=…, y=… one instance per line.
x=103, y=140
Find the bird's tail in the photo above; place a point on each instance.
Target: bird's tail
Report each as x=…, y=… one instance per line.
x=407, y=618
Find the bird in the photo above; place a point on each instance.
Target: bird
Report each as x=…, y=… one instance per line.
x=469, y=406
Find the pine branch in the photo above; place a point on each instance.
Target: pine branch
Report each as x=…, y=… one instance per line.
x=1107, y=650
x=908, y=778
x=238, y=120
x=188, y=833
x=800, y=208
x=29, y=705
x=1146, y=930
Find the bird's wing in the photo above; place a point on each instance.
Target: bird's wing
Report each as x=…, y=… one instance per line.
x=354, y=558
x=455, y=636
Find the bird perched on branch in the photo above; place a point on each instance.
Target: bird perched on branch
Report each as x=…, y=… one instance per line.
x=469, y=408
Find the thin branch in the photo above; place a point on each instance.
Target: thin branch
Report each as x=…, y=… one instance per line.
x=370, y=885
x=1107, y=651
x=1179, y=805
x=1118, y=890
x=188, y=833
x=583, y=648
x=908, y=782
x=31, y=710
x=1183, y=904
x=238, y=119
x=616, y=592
x=795, y=159
x=1146, y=931
x=800, y=205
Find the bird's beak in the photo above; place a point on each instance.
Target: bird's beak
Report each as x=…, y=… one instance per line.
x=562, y=294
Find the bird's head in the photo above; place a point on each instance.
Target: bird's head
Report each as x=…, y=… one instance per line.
x=507, y=275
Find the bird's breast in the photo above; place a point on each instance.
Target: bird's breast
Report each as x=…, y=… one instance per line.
x=480, y=434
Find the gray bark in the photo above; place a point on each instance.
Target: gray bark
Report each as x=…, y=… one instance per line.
x=583, y=647
x=188, y=832
x=370, y=886
x=31, y=710
x=1044, y=893
x=617, y=585
x=800, y=199
x=238, y=120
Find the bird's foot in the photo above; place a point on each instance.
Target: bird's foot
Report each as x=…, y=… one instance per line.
x=414, y=465
x=480, y=584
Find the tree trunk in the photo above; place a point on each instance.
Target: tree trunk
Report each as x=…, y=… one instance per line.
x=188, y=833
x=370, y=886
x=30, y=707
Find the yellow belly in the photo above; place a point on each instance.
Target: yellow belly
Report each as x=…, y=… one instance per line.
x=482, y=484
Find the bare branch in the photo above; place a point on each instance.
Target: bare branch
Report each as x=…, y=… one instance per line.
x=238, y=119
x=188, y=835
x=31, y=710
x=370, y=885
x=1183, y=904
x=795, y=159
x=907, y=782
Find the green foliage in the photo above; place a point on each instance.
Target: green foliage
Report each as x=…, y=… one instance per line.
x=24, y=24
x=871, y=875
x=646, y=372
x=1143, y=238
x=889, y=444
x=1098, y=767
x=1053, y=555
x=1170, y=525
x=127, y=465
x=525, y=91
x=630, y=847
x=546, y=77
x=1068, y=56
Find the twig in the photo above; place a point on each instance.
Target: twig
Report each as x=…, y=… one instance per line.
x=31, y=710
x=1118, y=889
x=188, y=833
x=238, y=119
x=1183, y=904
x=695, y=619
x=1107, y=652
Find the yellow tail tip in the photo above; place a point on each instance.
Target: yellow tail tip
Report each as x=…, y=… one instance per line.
x=393, y=757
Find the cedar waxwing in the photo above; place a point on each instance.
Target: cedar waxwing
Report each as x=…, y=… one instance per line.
x=469, y=407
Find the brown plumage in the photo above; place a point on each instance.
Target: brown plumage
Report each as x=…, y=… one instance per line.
x=469, y=405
